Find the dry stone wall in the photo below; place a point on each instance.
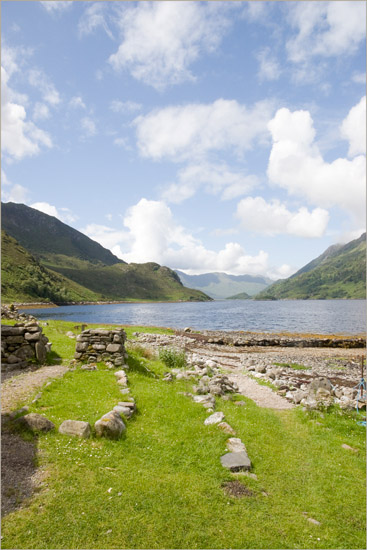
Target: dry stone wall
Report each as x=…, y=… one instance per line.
x=22, y=343
x=94, y=345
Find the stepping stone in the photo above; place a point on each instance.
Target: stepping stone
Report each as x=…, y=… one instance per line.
x=225, y=427
x=235, y=445
x=214, y=418
x=236, y=462
x=75, y=427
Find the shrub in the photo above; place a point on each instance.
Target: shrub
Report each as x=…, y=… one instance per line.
x=172, y=358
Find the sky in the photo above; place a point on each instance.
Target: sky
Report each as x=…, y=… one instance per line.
x=204, y=136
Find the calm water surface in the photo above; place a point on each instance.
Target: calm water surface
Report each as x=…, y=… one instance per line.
x=315, y=316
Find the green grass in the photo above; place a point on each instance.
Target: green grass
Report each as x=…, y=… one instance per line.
x=172, y=358
x=168, y=471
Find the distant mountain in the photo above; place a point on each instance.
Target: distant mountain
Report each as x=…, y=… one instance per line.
x=240, y=296
x=221, y=285
x=55, y=255
x=340, y=272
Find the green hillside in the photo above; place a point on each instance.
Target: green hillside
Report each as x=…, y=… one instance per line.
x=24, y=279
x=221, y=285
x=240, y=296
x=340, y=272
x=48, y=255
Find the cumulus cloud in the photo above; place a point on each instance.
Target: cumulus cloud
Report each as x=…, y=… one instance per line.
x=152, y=235
x=124, y=107
x=162, y=39
x=353, y=128
x=39, y=80
x=77, y=102
x=194, y=130
x=41, y=111
x=88, y=127
x=16, y=193
x=63, y=214
x=326, y=29
x=20, y=137
x=94, y=18
x=295, y=164
x=269, y=68
x=214, y=178
x=56, y=6
x=273, y=218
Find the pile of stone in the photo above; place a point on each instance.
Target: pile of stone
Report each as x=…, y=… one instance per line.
x=95, y=345
x=11, y=312
x=218, y=385
x=22, y=343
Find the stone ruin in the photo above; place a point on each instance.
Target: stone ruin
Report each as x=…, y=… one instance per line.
x=21, y=344
x=95, y=345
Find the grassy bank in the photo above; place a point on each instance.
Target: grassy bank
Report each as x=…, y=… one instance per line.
x=161, y=485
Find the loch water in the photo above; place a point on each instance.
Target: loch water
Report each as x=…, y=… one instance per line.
x=312, y=316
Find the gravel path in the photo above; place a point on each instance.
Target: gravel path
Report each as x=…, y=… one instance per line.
x=18, y=389
x=262, y=395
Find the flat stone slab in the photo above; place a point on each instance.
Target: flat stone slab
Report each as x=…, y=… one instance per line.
x=75, y=427
x=236, y=462
x=225, y=427
x=235, y=445
x=214, y=418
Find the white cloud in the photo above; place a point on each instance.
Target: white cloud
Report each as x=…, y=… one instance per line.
x=269, y=68
x=39, y=80
x=104, y=235
x=273, y=218
x=77, y=102
x=88, y=127
x=123, y=143
x=255, y=11
x=41, y=111
x=162, y=39
x=359, y=78
x=124, y=107
x=214, y=178
x=296, y=165
x=326, y=28
x=17, y=193
x=92, y=19
x=191, y=131
x=353, y=128
x=56, y=6
x=20, y=138
x=63, y=214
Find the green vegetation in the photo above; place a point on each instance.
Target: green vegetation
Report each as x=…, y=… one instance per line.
x=240, y=296
x=161, y=485
x=24, y=279
x=172, y=358
x=295, y=366
x=60, y=264
x=340, y=272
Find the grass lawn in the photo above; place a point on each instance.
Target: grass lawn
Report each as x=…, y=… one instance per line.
x=160, y=486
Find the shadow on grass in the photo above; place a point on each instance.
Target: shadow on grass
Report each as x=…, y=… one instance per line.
x=53, y=358
x=137, y=366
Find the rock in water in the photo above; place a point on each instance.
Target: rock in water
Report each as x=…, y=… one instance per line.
x=110, y=425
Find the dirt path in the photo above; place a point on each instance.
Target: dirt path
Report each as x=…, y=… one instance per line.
x=262, y=395
x=17, y=389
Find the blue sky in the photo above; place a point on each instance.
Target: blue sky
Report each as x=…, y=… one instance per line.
x=206, y=136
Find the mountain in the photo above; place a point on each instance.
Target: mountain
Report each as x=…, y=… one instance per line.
x=56, y=256
x=221, y=285
x=240, y=296
x=24, y=279
x=340, y=272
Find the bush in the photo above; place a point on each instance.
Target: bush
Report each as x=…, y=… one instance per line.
x=172, y=358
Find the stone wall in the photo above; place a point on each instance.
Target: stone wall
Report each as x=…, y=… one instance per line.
x=22, y=343
x=94, y=345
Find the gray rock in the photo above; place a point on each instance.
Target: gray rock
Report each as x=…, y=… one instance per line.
x=205, y=400
x=114, y=348
x=110, y=426
x=236, y=462
x=70, y=334
x=126, y=411
x=75, y=427
x=40, y=352
x=322, y=382
x=36, y=422
x=260, y=368
x=235, y=445
x=13, y=359
x=214, y=418
x=32, y=337
x=120, y=374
